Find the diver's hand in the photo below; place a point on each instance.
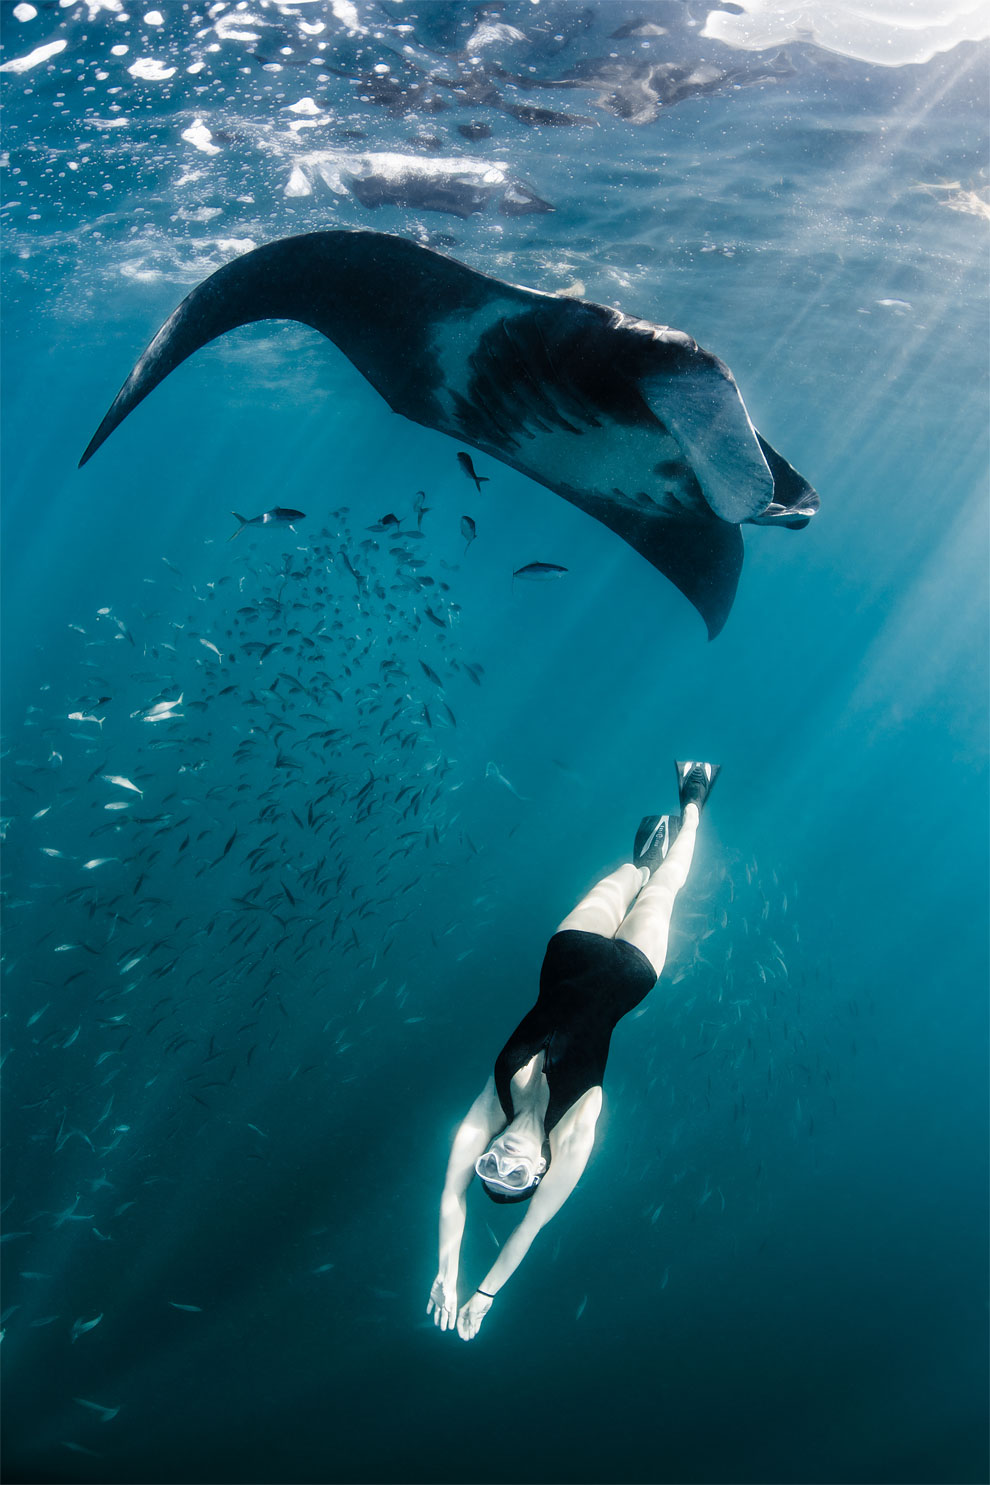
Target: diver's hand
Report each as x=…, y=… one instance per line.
x=471, y=1316
x=443, y=1302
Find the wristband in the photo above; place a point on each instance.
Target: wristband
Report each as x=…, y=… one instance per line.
x=485, y=1293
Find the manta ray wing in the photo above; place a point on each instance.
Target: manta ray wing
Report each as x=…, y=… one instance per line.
x=632, y=422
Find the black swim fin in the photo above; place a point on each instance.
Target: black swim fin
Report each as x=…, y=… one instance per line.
x=654, y=838
x=695, y=781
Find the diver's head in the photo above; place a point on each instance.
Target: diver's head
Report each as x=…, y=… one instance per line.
x=513, y=1165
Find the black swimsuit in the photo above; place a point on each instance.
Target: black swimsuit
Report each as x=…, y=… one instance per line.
x=587, y=984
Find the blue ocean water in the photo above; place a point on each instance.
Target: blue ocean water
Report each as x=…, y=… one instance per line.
x=235, y=1050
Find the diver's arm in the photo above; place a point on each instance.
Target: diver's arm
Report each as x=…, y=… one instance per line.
x=484, y=1119
x=571, y=1152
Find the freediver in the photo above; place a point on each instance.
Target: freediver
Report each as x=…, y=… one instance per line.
x=530, y=1132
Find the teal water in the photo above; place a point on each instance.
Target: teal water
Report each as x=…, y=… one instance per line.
x=247, y=1066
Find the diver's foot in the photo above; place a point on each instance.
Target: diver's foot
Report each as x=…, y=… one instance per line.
x=654, y=838
x=695, y=781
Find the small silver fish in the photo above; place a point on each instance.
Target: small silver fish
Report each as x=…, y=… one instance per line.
x=121, y=782
x=105, y=1413
x=492, y=772
x=161, y=709
x=539, y=571
x=80, y=1327
x=279, y=516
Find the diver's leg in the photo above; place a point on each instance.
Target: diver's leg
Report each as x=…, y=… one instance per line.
x=647, y=924
x=606, y=904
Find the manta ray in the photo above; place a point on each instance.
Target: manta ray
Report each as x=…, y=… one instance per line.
x=634, y=423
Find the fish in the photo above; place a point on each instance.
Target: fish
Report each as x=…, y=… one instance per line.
x=468, y=531
x=539, y=571
x=121, y=782
x=161, y=711
x=464, y=460
x=81, y=1327
x=82, y=717
x=105, y=1413
x=492, y=771
x=632, y=422
x=278, y=516
x=192, y=1309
